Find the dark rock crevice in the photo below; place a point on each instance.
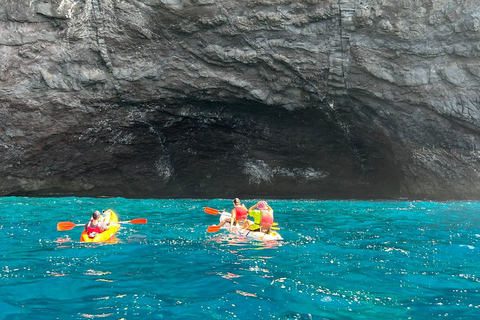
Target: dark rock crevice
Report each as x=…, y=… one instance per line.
x=193, y=150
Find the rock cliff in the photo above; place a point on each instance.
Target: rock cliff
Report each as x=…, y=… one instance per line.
x=257, y=98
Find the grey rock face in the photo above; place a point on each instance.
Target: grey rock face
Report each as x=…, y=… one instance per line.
x=265, y=98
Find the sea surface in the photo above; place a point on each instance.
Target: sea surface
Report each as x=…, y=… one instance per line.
x=338, y=260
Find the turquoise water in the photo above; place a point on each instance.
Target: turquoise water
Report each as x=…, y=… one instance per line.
x=339, y=260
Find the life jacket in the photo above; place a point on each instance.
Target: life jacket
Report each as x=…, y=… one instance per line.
x=92, y=231
x=241, y=213
x=267, y=219
x=261, y=218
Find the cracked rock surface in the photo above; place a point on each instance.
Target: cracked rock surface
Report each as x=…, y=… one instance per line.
x=258, y=98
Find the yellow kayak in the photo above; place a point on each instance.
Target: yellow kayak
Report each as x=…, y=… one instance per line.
x=107, y=235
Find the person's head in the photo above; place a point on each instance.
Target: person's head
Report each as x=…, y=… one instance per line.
x=236, y=202
x=262, y=205
x=96, y=214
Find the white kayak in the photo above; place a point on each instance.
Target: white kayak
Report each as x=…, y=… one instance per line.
x=257, y=235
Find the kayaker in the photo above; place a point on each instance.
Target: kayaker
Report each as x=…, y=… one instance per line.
x=94, y=226
x=239, y=214
x=263, y=217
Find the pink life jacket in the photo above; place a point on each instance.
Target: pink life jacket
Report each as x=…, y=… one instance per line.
x=267, y=219
x=241, y=213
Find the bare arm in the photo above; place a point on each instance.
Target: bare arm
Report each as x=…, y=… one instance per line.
x=253, y=207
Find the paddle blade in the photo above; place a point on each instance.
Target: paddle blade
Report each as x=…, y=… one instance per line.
x=213, y=228
x=63, y=226
x=138, y=221
x=273, y=224
x=211, y=211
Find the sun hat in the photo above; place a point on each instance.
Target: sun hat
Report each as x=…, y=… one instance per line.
x=262, y=205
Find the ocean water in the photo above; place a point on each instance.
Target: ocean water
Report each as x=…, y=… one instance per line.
x=338, y=260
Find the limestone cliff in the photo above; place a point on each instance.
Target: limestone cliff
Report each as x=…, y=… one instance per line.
x=255, y=98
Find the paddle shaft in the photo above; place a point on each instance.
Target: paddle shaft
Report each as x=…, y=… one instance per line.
x=67, y=225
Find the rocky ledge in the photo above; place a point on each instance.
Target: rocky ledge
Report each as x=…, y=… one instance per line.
x=258, y=98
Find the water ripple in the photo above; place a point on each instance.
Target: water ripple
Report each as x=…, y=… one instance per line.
x=339, y=260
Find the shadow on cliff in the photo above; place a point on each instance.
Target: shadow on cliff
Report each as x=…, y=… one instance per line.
x=205, y=150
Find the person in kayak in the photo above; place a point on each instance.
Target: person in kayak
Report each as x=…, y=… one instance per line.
x=239, y=215
x=262, y=217
x=94, y=226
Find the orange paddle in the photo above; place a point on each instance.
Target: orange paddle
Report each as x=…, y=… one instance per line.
x=62, y=226
x=211, y=211
x=213, y=228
